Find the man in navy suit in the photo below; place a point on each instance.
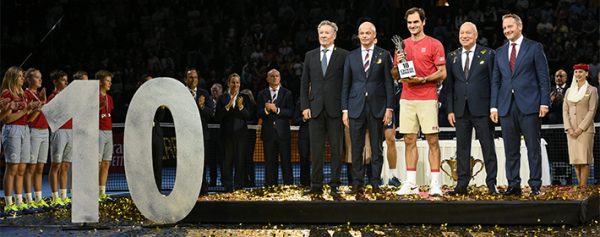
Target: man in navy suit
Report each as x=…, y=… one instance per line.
x=367, y=97
x=468, y=85
x=520, y=97
x=320, y=94
x=276, y=107
x=205, y=106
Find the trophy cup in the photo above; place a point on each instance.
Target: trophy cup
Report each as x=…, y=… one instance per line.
x=452, y=163
x=406, y=69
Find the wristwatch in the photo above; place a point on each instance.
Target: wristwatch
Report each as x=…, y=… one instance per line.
x=424, y=80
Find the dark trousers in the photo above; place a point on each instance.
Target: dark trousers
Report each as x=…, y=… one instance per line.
x=250, y=176
x=276, y=150
x=235, y=152
x=216, y=155
x=204, y=186
x=321, y=126
x=485, y=133
x=158, y=150
x=358, y=127
x=513, y=125
x=304, y=150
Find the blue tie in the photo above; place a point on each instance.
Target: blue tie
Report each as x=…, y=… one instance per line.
x=324, y=61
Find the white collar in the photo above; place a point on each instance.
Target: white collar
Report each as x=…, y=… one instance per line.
x=329, y=49
x=518, y=41
x=472, y=49
x=370, y=48
x=276, y=88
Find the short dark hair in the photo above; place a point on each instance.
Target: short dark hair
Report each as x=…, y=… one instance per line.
x=78, y=75
x=417, y=10
x=57, y=74
x=102, y=74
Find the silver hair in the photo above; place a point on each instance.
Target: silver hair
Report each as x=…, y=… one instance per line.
x=372, y=26
x=472, y=24
x=514, y=16
x=329, y=23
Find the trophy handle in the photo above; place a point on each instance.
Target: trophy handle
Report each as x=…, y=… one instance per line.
x=442, y=167
x=481, y=166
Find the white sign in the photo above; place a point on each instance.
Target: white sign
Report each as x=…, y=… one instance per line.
x=406, y=69
x=80, y=101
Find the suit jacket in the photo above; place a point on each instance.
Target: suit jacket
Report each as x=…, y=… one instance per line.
x=476, y=88
x=325, y=91
x=555, y=114
x=275, y=125
x=378, y=85
x=581, y=114
x=206, y=114
x=234, y=120
x=530, y=80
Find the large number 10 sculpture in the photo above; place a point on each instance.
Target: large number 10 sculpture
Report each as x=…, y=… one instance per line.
x=80, y=101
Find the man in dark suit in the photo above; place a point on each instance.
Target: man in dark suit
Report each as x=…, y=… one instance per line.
x=303, y=145
x=367, y=98
x=468, y=85
x=320, y=95
x=557, y=96
x=232, y=112
x=520, y=97
x=276, y=108
x=205, y=106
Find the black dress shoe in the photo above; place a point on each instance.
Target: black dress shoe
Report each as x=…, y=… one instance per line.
x=535, y=191
x=361, y=197
x=513, y=191
x=377, y=190
x=492, y=191
x=459, y=191
x=334, y=192
x=313, y=191
x=355, y=190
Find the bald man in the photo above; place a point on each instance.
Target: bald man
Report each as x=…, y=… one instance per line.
x=367, y=97
x=275, y=105
x=557, y=95
x=469, y=70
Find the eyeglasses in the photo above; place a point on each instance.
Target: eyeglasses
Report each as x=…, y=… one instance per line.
x=559, y=76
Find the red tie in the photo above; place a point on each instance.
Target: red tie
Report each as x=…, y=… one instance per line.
x=513, y=57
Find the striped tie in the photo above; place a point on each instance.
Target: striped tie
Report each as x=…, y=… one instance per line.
x=367, y=63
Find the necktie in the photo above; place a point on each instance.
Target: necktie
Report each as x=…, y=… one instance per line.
x=513, y=57
x=467, y=62
x=367, y=62
x=274, y=96
x=324, y=61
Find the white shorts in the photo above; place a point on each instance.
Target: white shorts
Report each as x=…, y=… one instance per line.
x=40, y=139
x=61, y=145
x=106, y=145
x=15, y=140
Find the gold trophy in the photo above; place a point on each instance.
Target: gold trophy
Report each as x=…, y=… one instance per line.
x=452, y=163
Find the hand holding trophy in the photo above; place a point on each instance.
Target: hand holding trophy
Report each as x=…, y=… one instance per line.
x=406, y=69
